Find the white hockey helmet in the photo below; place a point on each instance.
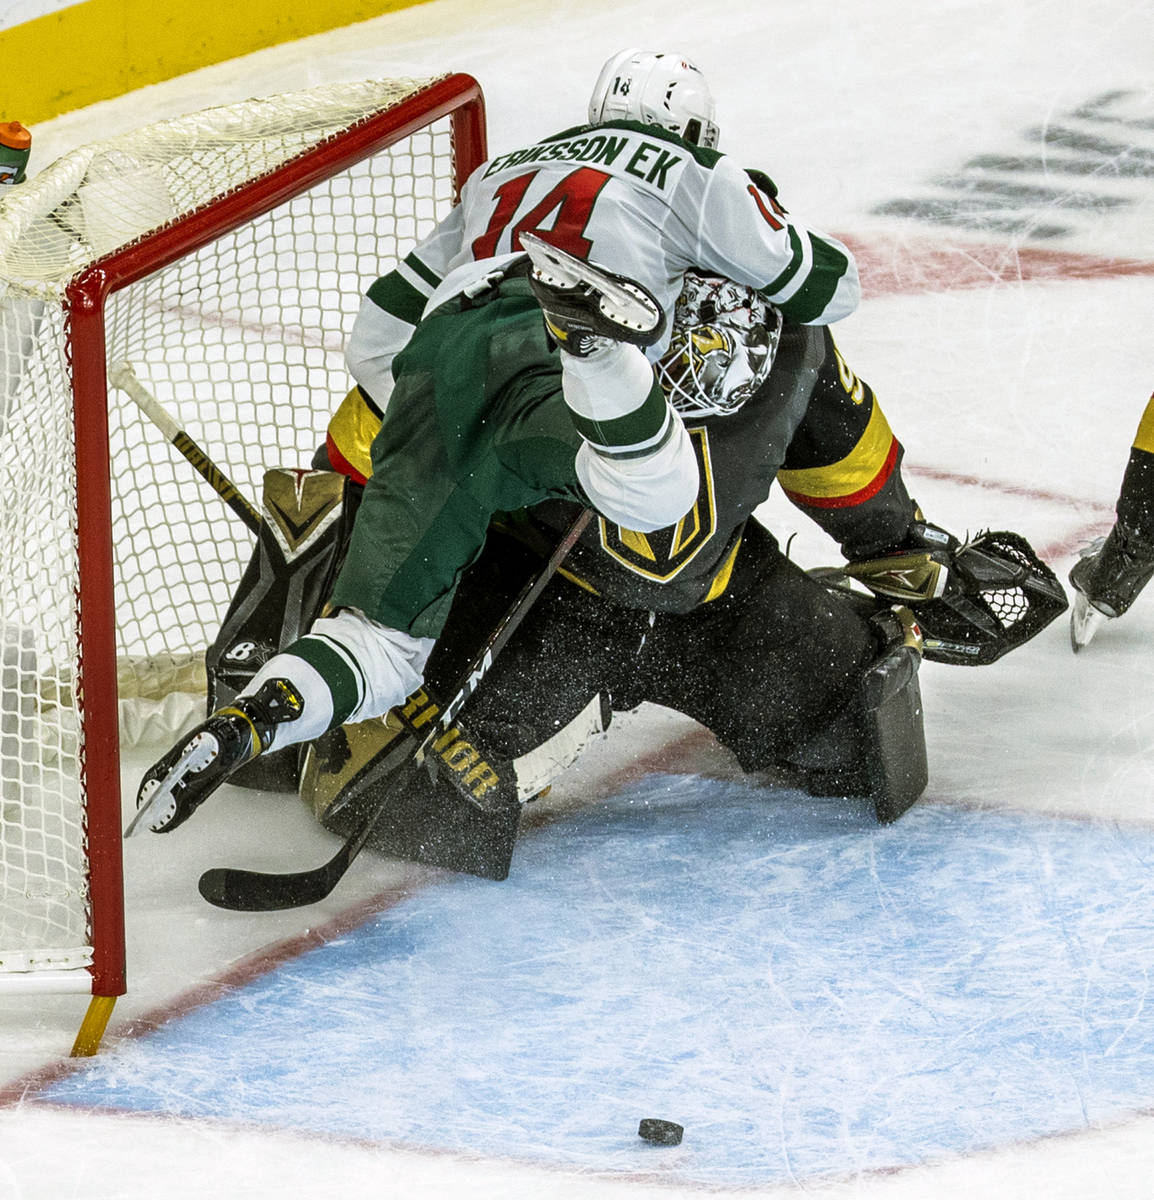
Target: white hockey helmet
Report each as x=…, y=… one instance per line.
x=655, y=88
x=723, y=344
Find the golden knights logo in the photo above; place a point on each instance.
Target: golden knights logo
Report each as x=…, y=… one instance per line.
x=664, y=553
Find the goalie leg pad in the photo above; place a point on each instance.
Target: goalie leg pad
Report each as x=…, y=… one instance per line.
x=306, y=518
x=880, y=741
x=432, y=811
x=896, y=766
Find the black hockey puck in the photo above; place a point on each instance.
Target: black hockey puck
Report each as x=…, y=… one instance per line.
x=660, y=1133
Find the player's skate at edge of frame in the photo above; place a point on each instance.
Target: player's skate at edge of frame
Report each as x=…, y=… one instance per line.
x=1107, y=579
x=1112, y=571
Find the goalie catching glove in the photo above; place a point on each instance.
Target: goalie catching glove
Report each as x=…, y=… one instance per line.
x=975, y=601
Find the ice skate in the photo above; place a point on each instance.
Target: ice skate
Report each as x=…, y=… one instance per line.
x=1085, y=621
x=1107, y=579
x=175, y=787
x=586, y=307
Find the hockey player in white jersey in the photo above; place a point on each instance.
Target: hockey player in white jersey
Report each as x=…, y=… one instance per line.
x=781, y=670
x=641, y=189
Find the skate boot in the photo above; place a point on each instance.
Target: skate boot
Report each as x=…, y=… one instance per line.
x=586, y=307
x=175, y=787
x=1107, y=580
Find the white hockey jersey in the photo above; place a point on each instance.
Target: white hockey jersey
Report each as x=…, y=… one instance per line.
x=632, y=198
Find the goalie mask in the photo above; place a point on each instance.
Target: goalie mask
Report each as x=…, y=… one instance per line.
x=667, y=90
x=722, y=347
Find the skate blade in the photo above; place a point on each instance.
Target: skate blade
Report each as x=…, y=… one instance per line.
x=1085, y=621
x=196, y=757
x=622, y=304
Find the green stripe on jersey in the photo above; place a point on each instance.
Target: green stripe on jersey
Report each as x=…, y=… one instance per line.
x=398, y=298
x=426, y=273
x=621, y=435
x=343, y=682
x=811, y=299
x=645, y=451
x=796, y=258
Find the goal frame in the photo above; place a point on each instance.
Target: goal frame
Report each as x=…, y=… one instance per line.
x=457, y=97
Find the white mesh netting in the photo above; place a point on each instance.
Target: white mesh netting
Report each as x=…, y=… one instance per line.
x=242, y=342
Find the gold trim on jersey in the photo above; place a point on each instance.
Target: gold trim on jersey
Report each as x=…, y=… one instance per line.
x=352, y=429
x=1144, y=439
x=723, y=576
x=847, y=477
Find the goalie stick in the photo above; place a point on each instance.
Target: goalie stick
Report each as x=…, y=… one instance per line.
x=124, y=378
x=257, y=891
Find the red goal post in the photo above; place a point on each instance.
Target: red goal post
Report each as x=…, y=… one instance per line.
x=223, y=255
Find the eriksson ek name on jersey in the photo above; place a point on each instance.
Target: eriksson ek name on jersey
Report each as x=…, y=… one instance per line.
x=646, y=161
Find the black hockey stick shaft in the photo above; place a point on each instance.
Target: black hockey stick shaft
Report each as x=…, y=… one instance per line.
x=257, y=891
x=122, y=376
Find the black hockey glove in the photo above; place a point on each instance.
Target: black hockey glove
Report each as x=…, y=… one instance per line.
x=974, y=602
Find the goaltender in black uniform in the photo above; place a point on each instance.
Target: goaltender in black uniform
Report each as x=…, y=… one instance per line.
x=659, y=355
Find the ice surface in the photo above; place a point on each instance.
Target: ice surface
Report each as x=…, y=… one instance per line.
x=953, y=1005
x=804, y=991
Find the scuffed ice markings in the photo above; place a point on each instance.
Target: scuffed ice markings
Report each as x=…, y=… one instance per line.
x=805, y=992
x=1087, y=164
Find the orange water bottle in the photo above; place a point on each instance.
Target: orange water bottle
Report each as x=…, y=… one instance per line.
x=15, y=146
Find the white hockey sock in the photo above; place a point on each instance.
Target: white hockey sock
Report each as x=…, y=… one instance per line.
x=610, y=384
x=347, y=668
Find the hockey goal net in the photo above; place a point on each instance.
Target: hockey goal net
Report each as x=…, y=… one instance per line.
x=223, y=255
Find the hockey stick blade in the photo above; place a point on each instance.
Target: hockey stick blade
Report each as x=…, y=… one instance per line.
x=257, y=891
x=242, y=890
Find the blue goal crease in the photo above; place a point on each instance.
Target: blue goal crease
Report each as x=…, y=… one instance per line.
x=804, y=991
